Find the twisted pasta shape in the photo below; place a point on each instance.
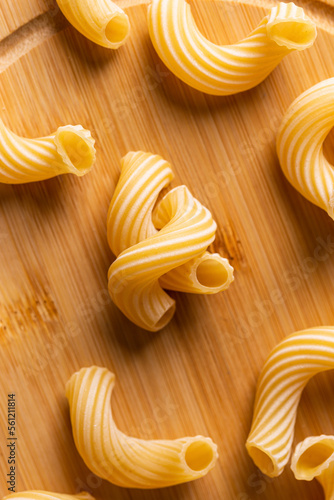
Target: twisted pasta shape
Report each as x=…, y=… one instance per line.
x=123, y=460
x=45, y=495
x=300, y=141
x=148, y=258
x=69, y=150
x=314, y=458
x=224, y=70
x=285, y=374
x=101, y=21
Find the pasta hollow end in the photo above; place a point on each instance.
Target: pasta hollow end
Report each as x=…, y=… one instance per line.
x=118, y=28
x=200, y=455
x=212, y=273
x=295, y=35
x=76, y=148
x=313, y=457
x=263, y=460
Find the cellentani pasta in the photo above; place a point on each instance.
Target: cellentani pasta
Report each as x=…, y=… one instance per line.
x=286, y=372
x=314, y=458
x=224, y=70
x=300, y=140
x=160, y=248
x=68, y=151
x=123, y=460
x=101, y=21
x=45, y=495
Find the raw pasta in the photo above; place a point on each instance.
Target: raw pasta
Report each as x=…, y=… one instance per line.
x=143, y=176
x=45, y=495
x=101, y=21
x=300, y=140
x=314, y=458
x=224, y=70
x=286, y=372
x=123, y=460
x=158, y=247
x=69, y=150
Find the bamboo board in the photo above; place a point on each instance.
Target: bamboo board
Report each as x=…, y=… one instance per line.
x=198, y=375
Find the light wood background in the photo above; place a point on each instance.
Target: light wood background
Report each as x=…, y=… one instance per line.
x=198, y=375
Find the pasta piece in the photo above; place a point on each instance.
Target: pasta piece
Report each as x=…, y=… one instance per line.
x=143, y=176
x=314, y=458
x=45, y=495
x=101, y=21
x=134, y=276
x=300, y=145
x=123, y=460
x=286, y=372
x=224, y=70
x=69, y=151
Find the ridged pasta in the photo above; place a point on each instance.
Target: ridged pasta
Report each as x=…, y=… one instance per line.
x=123, y=460
x=223, y=70
x=101, y=21
x=45, y=495
x=314, y=458
x=70, y=150
x=149, y=259
x=300, y=140
x=286, y=372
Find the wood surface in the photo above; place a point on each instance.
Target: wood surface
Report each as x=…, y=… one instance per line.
x=198, y=375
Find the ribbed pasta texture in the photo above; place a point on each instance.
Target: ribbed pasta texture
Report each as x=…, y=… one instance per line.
x=300, y=140
x=45, y=495
x=286, y=372
x=158, y=247
x=314, y=458
x=123, y=460
x=70, y=150
x=223, y=70
x=101, y=21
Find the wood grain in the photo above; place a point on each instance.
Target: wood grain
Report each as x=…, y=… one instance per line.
x=198, y=375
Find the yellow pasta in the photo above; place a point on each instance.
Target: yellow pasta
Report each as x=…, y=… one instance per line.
x=300, y=145
x=123, y=460
x=45, y=495
x=143, y=176
x=286, y=372
x=314, y=458
x=223, y=70
x=151, y=244
x=68, y=151
x=101, y=21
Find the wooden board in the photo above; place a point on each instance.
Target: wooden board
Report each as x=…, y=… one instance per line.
x=198, y=375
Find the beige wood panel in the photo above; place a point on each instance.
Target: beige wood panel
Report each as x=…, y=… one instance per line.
x=198, y=375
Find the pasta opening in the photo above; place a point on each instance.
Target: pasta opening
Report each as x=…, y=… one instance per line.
x=199, y=455
x=165, y=318
x=117, y=28
x=328, y=147
x=77, y=151
x=313, y=458
x=211, y=273
x=262, y=460
x=292, y=34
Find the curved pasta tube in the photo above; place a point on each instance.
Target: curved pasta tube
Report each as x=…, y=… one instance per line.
x=70, y=150
x=300, y=141
x=101, y=21
x=134, y=276
x=224, y=70
x=123, y=460
x=314, y=458
x=45, y=495
x=143, y=176
x=286, y=372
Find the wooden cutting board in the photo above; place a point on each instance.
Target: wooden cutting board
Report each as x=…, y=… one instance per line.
x=198, y=375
